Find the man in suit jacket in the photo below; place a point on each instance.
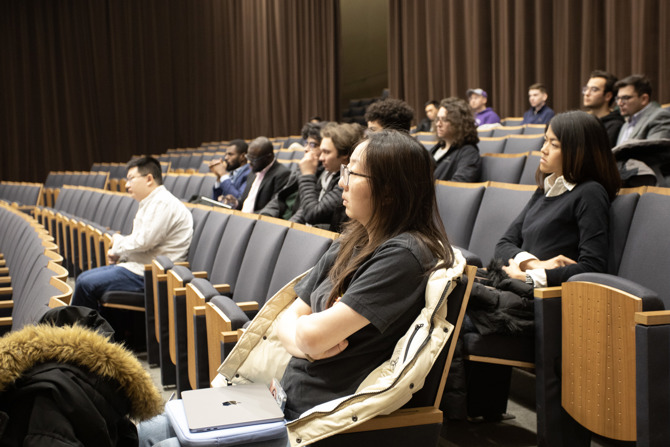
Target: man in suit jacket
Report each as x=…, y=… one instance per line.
x=644, y=121
x=231, y=172
x=267, y=176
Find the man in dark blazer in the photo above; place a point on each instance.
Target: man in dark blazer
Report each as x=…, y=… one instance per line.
x=267, y=176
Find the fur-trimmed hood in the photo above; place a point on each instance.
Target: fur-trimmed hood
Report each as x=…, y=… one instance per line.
x=22, y=350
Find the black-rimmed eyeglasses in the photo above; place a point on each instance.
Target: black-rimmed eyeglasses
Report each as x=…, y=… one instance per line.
x=345, y=172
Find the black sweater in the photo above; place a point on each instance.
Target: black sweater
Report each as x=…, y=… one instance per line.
x=574, y=224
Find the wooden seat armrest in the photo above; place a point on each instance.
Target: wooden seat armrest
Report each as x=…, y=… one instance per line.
x=5, y=280
x=653, y=318
x=548, y=292
x=182, y=263
x=247, y=306
x=222, y=288
x=229, y=337
x=200, y=274
x=6, y=304
x=6, y=291
x=217, y=322
x=3, y=263
x=199, y=311
x=5, y=321
x=4, y=271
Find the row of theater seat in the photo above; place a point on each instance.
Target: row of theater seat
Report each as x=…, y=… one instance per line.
x=475, y=216
x=20, y=193
x=31, y=277
x=57, y=179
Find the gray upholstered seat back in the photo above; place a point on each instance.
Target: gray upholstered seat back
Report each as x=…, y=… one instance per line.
x=458, y=208
x=499, y=207
x=259, y=262
x=299, y=252
x=645, y=257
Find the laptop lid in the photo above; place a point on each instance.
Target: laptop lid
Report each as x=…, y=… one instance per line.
x=232, y=406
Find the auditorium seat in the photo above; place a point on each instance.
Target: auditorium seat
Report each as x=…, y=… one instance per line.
x=503, y=131
x=521, y=144
x=504, y=168
x=490, y=145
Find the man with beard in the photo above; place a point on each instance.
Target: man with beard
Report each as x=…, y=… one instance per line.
x=231, y=172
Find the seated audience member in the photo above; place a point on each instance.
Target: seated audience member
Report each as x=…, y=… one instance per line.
x=562, y=231
x=267, y=177
x=599, y=95
x=320, y=194
x=232, y=172
x=456, y=154
x=389, y=114
x=285, y=202
x=645, y=120
x=539, y=112
x=428, y=123
x=367, y=289
x=483, y=115
x=162, y=226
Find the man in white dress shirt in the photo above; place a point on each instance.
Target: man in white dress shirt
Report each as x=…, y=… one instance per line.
x=162, y=226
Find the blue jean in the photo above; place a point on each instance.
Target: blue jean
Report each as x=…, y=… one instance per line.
x=92, y=284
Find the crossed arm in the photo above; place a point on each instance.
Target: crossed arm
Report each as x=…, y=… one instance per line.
x=318, y=335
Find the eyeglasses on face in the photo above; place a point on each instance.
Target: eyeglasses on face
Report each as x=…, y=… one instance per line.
x=311, y=145
x=130, y=179
x=624, y=98
x=441, y=119
x=345, y=172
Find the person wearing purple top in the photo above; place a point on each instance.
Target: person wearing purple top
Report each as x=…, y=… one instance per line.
x=483, y=115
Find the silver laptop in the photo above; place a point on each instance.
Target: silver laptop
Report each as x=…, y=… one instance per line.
x=232, y=406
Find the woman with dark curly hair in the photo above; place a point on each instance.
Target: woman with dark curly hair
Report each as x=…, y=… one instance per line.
x=456, y=154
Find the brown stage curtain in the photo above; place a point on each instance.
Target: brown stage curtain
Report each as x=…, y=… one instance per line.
x=98, y=81
x=440, y=48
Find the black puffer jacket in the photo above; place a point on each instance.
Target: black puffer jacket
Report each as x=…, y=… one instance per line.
x=67, y=386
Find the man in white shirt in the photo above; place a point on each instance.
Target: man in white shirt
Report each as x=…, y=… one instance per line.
x=162, y=226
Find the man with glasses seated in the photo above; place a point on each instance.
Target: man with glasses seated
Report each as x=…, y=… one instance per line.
x=287, y=200
x=162, y=226
x=599, y=97
x=267, y=177
x=645, y=120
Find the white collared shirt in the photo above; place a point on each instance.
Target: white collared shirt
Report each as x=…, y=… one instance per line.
x=250, y=202
x=162, y=226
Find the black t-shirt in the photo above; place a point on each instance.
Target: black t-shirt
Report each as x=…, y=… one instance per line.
x=387, y=289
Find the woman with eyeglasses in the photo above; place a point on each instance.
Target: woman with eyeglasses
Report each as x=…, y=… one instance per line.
x=456, y=155
x=365, y=292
